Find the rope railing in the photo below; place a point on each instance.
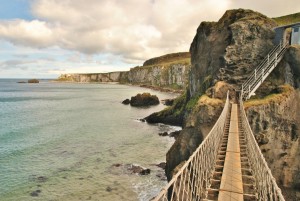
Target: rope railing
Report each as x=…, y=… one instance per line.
x=259, y=74
x=193, y=178
x=266, y=186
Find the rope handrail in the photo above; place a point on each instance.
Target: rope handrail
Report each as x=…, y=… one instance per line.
x=193, y=178
x=266, y=185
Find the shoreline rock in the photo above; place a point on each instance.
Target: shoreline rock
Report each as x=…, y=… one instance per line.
x=144, y=99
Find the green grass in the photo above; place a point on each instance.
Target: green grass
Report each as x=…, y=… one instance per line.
x=185, y=61
x=287, y=19
x=168, y=58
x=284, y=92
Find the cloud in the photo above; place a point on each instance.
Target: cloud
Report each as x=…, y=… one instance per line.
x=10, y=64
x=130, y=30
x=33, y=33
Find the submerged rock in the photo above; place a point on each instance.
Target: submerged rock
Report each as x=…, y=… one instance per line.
x=162, y=165
x=119, y=168
x=35, y=193
x=168, y=102
x=163, y=134
x=174, y=134
x=126, y=102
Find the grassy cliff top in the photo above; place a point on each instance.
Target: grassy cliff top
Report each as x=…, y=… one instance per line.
x=168, y=58
x=287, y=19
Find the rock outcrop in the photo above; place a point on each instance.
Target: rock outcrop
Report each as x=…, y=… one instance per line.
x=229, y=49
x=168, y=71
x=144, y=99
x=276, y=128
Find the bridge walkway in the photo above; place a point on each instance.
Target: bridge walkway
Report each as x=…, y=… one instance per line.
x=232, y=177
x=231, y=183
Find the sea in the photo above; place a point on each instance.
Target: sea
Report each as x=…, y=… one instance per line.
x=71, y=141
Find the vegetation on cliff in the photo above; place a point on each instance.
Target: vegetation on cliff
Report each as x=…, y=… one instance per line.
x=288, y=19
x=168, y=58
x=278, y=95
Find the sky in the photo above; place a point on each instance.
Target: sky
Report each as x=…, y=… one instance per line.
x=46, y=38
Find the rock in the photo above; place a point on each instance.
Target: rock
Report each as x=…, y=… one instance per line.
x=230, y=49
x=145, y=172
x=168, y=102
x=35, y=193
x=126, y=102
x=174, y=134
x=187, y=142
x=163, y=134
x=292, y=57
x=162, y=176
x=117, y=165
x=142, y=120
x=138, y=170
x=173, y=115
x=41, y=179
x=33, y=81
x=275, y=128
x=161, y=165
x=108, y=189
x=145, y=99
x=21, y=82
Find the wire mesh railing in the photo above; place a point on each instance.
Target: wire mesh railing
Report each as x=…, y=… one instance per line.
x=193, y=178
x=266, y=187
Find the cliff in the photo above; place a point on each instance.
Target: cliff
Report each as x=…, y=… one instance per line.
x=223, y=54
x=168, y=71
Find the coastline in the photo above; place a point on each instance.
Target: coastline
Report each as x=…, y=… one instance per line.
x=156, y=88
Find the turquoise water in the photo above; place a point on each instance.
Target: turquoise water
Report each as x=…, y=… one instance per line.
x=58, y=141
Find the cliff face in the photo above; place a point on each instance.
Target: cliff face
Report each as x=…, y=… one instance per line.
x=229, y=49
x=94, y=77
x=168, y=71
x=173, y=75
x=223, y=54
x=276, y=128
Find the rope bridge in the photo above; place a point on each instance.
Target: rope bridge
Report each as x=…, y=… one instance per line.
x=228, y=164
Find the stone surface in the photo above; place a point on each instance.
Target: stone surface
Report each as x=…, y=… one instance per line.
x=126, y=102
x=228, y=50
x=276, y=127
x=187, y=142
x=145, y=99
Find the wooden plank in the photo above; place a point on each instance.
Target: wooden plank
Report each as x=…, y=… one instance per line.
x=231, y=182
